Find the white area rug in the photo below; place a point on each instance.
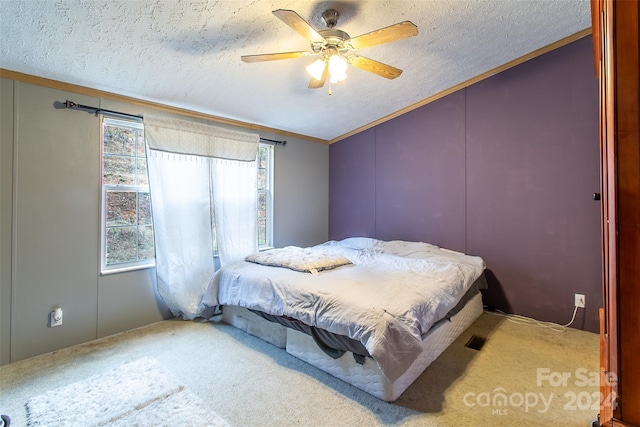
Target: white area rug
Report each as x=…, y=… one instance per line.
x=140, y=393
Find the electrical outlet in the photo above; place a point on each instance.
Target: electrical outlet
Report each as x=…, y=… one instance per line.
x=579, y=301
x=55, y=317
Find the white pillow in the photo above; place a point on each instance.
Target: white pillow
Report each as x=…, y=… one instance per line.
x=359, y=242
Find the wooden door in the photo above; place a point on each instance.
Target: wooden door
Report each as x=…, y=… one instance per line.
x=616, y=49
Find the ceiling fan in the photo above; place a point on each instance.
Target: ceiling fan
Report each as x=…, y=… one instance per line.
x=336, y=48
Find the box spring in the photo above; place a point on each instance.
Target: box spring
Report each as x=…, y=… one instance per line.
x=366, y=377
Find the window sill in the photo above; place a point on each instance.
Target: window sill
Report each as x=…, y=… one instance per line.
x=125, y=268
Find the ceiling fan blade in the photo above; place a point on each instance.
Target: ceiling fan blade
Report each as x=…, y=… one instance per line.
x=375, y=67
x=317, y=84
x=398, y=31
x=301, y=26
x=273, y=56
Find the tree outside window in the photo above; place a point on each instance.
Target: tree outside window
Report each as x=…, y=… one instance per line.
x=127, y=238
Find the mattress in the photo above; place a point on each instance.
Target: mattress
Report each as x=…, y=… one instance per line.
x=368, y=376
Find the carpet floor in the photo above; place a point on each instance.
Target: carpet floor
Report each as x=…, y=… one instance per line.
x=522, y=376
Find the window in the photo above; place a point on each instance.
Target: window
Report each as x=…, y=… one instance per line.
x=127, y=230
x=265, y=196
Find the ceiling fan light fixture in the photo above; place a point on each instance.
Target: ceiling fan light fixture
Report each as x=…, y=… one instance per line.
x=316, y=69
x=337, y=68
x=336, y=78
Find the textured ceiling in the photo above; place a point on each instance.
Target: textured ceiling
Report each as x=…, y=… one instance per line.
x=187, y=53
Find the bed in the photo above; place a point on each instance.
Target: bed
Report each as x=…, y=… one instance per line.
x=373, y=313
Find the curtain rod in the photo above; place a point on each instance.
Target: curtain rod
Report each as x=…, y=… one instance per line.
x=95, y=110
x=273, y=141
x=72, y=105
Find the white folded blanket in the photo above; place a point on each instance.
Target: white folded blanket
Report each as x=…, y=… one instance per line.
x=306, y=260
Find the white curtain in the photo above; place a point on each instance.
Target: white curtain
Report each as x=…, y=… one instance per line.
x=196, y=173
x=235, y=204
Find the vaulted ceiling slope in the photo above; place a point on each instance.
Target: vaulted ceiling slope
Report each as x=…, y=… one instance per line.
x=186, y=54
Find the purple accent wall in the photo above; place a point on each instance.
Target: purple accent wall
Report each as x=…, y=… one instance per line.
x=420, y=179
x=352, y=187
x=504, y=169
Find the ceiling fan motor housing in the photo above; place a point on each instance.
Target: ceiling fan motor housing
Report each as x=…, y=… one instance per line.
x=330, y=17
x=333, y=38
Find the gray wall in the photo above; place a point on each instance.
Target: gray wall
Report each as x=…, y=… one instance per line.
x=50, y=222
x=301, y=197
x=6, y=188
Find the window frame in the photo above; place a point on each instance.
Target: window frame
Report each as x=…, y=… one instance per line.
x=105, y=268
x=269, y=195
